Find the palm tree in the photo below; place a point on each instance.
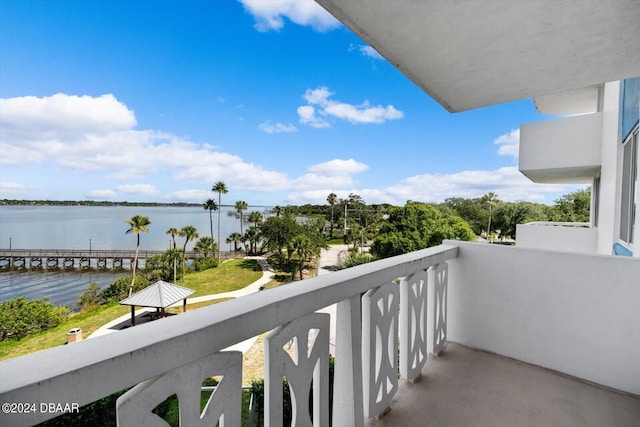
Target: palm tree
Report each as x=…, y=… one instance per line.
x=189, y=233
x=490, y=199
x=355, y=235
x=255, y=217
x=221, y=188
x=137, y=224
x=304, y=248
x=175, y=255
x=234, y=238
x=332, y=199
x=278, y=210
x=204, y=245
x=252, y=235
x=210, y=205
x=241, y=205
x=173, y=232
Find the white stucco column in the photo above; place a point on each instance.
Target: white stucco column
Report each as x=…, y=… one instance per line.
x=609, y=202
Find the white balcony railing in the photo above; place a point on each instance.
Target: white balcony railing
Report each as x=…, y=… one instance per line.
x=174, y=355
x=559, y=236
x=569, y=312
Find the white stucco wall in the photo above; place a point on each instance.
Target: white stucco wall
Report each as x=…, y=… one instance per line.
x=557, y=237
x=564, y=150
x=573, y=313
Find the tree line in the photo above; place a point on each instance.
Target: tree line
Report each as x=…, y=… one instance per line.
x=495, y=219
x=388, y=230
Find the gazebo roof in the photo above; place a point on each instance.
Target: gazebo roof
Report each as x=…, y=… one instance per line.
x=160, y=295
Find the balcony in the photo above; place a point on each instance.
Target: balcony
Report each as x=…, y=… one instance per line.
x=565, y=150
x=520, y=332
x=560, y=236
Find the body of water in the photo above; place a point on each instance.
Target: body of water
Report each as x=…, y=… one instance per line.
x=95, y=228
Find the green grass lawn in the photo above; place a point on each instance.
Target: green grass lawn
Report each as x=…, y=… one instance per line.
x=89, y=321
x=336, y=240
x=228, y=276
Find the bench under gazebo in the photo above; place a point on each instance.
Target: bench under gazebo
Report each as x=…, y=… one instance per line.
x=160, y=295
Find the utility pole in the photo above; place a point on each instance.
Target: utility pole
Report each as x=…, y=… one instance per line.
x=345, y=219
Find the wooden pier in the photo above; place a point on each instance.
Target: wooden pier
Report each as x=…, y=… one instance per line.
x=70, y=258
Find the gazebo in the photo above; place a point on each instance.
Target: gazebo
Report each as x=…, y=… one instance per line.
x=160, y=295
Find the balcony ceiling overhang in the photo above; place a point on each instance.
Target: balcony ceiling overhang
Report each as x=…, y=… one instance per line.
x=468, y=54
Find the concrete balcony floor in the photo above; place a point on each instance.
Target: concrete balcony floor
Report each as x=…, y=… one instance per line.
x=466, y=387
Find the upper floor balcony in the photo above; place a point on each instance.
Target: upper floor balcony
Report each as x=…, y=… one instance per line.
x=559, y=236
x=534, y=338
x=565, y=150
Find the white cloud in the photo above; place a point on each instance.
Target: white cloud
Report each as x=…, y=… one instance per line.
x=85, y=141
x=10, y=189
x=334, y=174
x=366, y=50
x=317, y=196
x=339, y=167
x=508, y=183
x=313, y=181
x=15, y=155
x=193, y=194
x=318, y=96
x=101, y=194
x=509, y=143
x=270, y=14
x=278, y=127
x=364, y=113
x=308, y=116
x=370, y=52
x=63, y=114
x=145, y=189
x=320, y=107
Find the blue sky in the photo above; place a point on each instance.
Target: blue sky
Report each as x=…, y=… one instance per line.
x=156, y=101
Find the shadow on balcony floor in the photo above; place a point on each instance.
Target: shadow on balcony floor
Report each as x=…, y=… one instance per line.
x=466, y=387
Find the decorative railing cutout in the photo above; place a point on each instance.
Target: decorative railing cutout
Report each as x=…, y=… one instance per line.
x=413, y=325
x=379, y=348
x=299, y=352
x=438, y=322
x=224, y=405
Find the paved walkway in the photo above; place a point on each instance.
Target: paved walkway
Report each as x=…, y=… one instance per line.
x=329, y=261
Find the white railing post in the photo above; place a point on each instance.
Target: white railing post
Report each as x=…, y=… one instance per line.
x=437, y=316
x=413, y=325
x=347, y=374
x=134, y=408
x=380, y=348
x=308, y=364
